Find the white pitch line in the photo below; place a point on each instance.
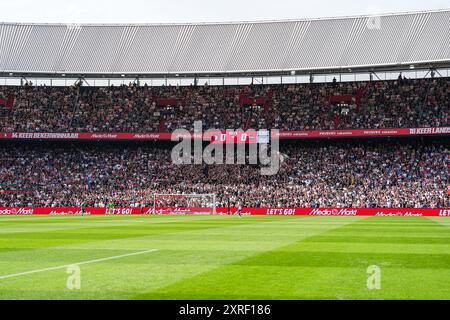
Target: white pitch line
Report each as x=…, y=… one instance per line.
x=75, y=264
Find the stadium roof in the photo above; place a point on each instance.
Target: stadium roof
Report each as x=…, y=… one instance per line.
x=344, y=44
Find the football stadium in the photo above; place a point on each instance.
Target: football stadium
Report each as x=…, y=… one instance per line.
x=301, y=159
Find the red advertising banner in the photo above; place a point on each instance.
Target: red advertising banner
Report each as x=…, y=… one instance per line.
x=364, y=133
x=325, y=212
x=114, y=211
x=39, y=211
x=249, y=137
x=243, y=137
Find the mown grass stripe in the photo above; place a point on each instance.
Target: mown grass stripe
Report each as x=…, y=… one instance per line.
x=21, y=274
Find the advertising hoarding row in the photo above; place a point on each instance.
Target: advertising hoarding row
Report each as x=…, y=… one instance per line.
x=250, y=136
x=325, y=212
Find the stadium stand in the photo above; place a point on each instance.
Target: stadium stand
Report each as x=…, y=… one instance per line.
x=390, y=172
x=400, y=174
x=356, y=105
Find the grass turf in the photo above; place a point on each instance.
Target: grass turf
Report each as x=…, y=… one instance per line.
x=226, y=257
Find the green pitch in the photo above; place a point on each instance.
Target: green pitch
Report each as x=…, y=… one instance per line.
x=224, y=257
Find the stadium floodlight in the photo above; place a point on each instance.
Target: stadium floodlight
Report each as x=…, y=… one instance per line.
x=184, y=204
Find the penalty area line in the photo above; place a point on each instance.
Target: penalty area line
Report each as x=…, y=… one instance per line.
x=76, y=264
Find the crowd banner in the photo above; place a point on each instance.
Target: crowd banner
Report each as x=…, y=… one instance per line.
x=227, y=137
x=322, y=212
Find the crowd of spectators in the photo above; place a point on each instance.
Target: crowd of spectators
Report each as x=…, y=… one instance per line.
x=401, y=174
x=318, y=174
x=379, y=104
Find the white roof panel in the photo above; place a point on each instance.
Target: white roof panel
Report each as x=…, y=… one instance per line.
x=334, y=43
